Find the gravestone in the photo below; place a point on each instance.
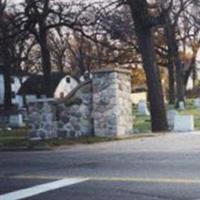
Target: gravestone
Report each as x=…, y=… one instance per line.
x=16, y=120
x=171, y=117
x=142, y=108
x=184, y=123
x=181, y=105
x=197, y=103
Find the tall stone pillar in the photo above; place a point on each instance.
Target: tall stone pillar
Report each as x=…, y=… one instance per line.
x=112, y=108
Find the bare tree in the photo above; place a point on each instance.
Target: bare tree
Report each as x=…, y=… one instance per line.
x=144, y=23
x=58, y=44
x=172, y=45
x=6, y=45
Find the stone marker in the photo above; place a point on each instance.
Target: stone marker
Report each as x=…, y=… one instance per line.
x=197, y=103
x=171, y=117
x=142, y=108
x=16, y=120
x=181, y=105
x=184, y=123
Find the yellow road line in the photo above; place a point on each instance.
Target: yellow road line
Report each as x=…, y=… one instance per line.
x=113, y=179
x=146, y=180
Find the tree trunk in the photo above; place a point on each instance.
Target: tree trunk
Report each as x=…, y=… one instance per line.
x=174, y=57
x=169, y=34
x=81, y=63
x=7, y=78
x=194, y=73
x=146, y=44
x=171, y=79
x=157, y=107
x=46, y=64
x=180, y=89
x=7, y=89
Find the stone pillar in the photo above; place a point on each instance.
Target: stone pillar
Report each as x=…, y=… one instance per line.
x=112, y=107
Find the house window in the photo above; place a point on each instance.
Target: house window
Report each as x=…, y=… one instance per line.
x=68, y=79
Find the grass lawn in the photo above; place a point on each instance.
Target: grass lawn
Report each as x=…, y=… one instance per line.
x=142, y=124
x=17, y=139
x=14, y=137
x=20, y=143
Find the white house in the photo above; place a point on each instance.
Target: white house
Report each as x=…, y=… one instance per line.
x=61, y=85
x=16, y=81
x=65, y=86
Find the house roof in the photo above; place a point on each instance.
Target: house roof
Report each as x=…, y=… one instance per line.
x=34, y=85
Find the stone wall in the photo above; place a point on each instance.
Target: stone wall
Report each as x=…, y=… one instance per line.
x=112, y=107
x=68, y=117
x=42, y=119
x=100, y=107
x=74, y=113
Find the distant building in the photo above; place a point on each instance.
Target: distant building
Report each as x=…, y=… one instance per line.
x=17, y=79
x=61, y=84
x=65, y=86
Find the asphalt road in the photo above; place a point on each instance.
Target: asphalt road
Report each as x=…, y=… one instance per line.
x=160, y=168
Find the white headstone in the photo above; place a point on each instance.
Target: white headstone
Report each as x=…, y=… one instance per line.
x=197, y=103
x=184, y=123
x=171, y=117
x=142, y=108
x=181, y=105
x=16, y=120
